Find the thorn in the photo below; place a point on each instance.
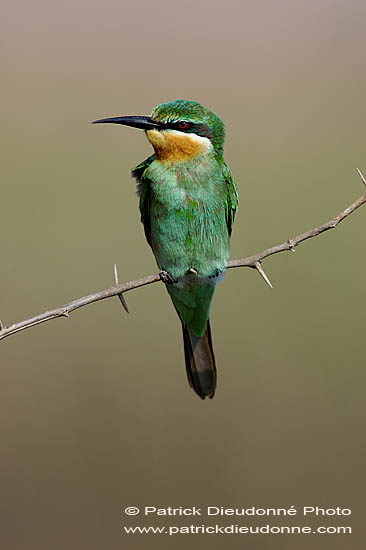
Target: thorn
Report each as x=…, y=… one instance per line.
x=120, y=296
x=192, y=270
x=116, y=280
x=259, y=268
x=1, y=325
x=65, y=313
x=123, y=302
x=361, y=176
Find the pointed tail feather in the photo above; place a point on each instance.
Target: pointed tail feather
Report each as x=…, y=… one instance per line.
x=200, y=362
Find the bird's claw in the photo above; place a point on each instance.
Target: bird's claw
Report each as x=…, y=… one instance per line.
x=216, y=273
x=166, y=278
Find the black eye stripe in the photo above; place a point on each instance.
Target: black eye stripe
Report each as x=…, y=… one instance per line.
x=181, y=125
x=192, y=127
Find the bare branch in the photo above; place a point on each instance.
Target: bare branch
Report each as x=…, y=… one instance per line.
x=66, y=309
x=119, y=289
x=295, y=241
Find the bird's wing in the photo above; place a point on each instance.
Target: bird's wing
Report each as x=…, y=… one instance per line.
x=143, y=190
x=232, y=197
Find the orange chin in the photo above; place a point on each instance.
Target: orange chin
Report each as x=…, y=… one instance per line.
x=176, y=146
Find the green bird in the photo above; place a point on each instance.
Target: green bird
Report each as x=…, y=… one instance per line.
x=188, y=202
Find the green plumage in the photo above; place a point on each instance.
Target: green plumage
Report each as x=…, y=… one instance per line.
x=188, y=201
x=188, y=209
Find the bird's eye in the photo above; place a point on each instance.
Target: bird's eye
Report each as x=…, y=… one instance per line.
x=183, y=125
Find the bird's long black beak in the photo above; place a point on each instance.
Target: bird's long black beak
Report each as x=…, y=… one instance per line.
x=142, y=122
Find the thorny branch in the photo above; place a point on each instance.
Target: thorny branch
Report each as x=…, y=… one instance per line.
x=119, y=289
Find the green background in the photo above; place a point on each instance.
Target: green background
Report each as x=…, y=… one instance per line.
x=96, y=413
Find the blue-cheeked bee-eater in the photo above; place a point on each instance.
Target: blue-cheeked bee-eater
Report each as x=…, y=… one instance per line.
x=188, y=201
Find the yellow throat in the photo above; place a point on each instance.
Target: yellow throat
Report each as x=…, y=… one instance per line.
x=173, y=146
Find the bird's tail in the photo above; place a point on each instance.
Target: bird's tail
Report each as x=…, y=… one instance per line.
x=200, y=361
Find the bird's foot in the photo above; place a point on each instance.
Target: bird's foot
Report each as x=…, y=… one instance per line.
x=215, y=274
x=166, y=278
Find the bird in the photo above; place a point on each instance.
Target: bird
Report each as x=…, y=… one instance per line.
x=188, y=201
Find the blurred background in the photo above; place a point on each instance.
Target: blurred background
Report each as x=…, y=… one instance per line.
x=96, y=412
